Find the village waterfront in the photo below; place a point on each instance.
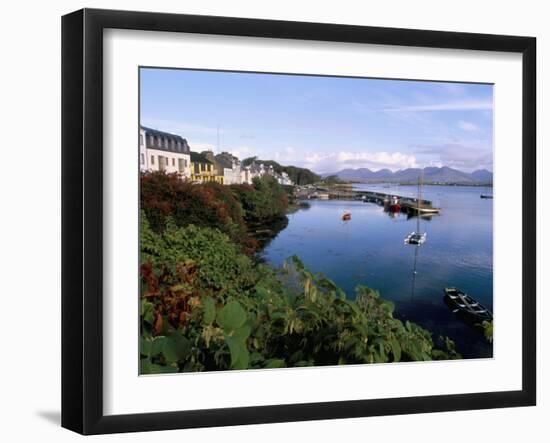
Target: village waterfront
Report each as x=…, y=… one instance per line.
x=369, y=250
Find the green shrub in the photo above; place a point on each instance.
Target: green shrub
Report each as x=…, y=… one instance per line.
x=219, y=265
x=262, y=202
x=230, y=209
x=207, y=205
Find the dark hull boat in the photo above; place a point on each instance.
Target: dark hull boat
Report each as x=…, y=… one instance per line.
x=486, y=196
x=417, y=238
x=466, y=307
x=414, y=238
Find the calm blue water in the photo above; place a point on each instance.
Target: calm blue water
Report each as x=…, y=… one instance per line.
x=369, y=250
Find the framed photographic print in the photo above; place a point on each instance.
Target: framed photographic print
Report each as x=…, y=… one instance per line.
x=269, y=221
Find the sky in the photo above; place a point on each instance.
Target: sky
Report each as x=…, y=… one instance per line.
x=325, y=124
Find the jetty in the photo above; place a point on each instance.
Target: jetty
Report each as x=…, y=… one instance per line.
x=409, y=205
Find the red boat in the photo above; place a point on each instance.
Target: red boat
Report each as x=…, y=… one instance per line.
x=394, y=205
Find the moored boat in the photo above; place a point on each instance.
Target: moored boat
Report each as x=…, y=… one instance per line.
x=346, y=216
x=486, y=196
x=414, y=238
x=462, y=304
x=394, y=205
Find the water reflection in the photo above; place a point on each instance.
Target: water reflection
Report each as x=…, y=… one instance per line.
x=414, y=271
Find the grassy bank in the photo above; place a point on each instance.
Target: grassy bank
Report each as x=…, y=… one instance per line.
x=207, y=305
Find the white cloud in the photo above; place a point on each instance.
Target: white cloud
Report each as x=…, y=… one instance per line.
x=242, y=152
x=344, y=159
x=176, y=127
x=467, y=126
x=463, y=105
x=456, y=155
x=198, y=146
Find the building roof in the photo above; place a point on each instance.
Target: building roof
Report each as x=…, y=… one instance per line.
x=199, y=158
x=180, y=145
x=226, y=160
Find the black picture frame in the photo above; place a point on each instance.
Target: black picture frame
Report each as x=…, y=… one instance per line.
x=82, y=218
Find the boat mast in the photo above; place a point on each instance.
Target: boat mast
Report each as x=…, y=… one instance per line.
x=418, y=197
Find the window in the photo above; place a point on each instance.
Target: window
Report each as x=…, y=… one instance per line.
x=152, y=159
x=142, y=158
x=140, y=139
x=173, y=162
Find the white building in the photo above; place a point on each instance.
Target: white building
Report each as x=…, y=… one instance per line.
x=248, y=173
x=231, y=166
x=162, y=151
x=284, y=179
x=245, y=175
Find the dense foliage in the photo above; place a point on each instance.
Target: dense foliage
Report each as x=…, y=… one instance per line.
x=230, y=209
x=299, y=176
x=263, y=201
x=207, y=306
x=210, y=205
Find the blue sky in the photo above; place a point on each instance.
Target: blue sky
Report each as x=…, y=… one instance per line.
x=324, y=123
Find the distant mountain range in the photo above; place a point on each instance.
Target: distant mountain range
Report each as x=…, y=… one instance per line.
x=410, y=175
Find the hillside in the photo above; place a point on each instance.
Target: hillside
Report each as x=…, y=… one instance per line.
x=431, y=175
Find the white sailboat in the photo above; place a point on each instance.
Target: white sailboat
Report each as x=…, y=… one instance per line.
x=416, y=237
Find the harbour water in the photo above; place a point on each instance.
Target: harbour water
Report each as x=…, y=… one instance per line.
x=369, y=250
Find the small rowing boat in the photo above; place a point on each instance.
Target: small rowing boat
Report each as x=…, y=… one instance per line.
x=461, y=303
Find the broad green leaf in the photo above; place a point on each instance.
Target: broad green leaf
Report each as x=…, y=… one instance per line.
x=146, y=367
x=239, y=353
x=209, y=308
x=396, y=349
x=243, y=332
x=157, y=345
x=275, y=363
x=147, y=311
x=145, y=346
x=232, y=316
x=176, y=348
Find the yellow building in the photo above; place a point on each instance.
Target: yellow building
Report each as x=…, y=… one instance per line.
x=203, y=170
